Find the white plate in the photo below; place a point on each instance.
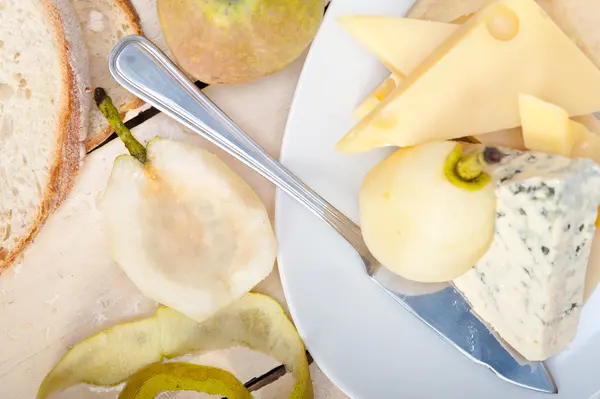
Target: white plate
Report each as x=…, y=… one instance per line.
x=363, y=340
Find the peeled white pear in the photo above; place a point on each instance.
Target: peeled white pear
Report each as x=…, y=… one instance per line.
x=189, y=232
x=418, y=224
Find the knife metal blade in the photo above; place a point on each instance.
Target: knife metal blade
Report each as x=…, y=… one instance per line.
x=449, y=314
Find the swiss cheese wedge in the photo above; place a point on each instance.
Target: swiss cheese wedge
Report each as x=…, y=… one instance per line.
x=470, y=84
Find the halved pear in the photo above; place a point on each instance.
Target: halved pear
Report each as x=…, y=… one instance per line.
x=187, y=230
x=417, y=223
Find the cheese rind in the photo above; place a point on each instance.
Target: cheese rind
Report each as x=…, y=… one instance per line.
x=529, y=285
x=470, y=84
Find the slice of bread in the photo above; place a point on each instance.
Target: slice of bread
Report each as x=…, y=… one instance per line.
x=104, y=23
x=42, y=115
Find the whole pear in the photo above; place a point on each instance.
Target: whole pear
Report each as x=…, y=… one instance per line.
x=233, y=41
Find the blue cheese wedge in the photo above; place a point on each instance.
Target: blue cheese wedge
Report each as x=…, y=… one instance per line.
x=529, y=285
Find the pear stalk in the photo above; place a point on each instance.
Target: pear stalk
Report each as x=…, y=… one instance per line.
x=467, y=170
x=110, y=112
x=470, y=166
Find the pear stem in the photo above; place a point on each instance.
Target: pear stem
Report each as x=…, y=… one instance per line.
x=466, y=171
x=110, y=112
x=471, y=166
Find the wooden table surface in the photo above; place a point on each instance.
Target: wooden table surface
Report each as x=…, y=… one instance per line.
x=66, y=287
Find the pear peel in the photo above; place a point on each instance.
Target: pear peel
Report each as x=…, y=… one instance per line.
x=189, y=232
x=162, y=377
x=114, y=355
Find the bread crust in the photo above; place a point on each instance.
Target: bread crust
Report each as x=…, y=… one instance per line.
x=72, y=151
x=68, y=153
x=51, y=189
x=94, y=139
x=80, y=99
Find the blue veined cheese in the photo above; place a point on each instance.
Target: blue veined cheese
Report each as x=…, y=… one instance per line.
x=529, y=285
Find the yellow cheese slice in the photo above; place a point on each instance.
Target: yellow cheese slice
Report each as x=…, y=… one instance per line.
x=470, y=84
x=401, y=44
x=546, y=127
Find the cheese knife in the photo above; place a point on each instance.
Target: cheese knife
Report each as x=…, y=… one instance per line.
x=142, y=68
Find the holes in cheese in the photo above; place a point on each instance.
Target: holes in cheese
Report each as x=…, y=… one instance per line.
x=503, y=24
x=380, y=93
